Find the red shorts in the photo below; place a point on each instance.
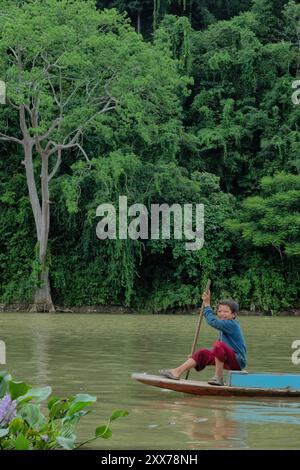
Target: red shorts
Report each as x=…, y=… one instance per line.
x=206, y=357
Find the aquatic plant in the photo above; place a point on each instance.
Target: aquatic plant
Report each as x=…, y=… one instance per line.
x=7, y=409
x=23, y=425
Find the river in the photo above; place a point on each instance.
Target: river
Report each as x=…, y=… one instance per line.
x=96, y=354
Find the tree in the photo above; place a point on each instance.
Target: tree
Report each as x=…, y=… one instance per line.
x=174, y=37
x=57, y=87
x=60, y=87
x=139, y=11
x=266, y=20
x=291, y=13
x=167, y=138
x=242, y=124
x=272, y=218
x=267, y=230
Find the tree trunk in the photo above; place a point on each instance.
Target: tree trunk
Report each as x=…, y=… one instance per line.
x=31, y=184
x=228, y=9
x=42, y=295
x=42, y=301
x=139, y=22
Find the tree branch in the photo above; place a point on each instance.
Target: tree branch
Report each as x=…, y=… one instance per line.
x=72, y=143
x=56, y=166
x=84, y=153
x=22, y=119
x=71, y=95
x=14, y=53
x=12, y=104
x=8, y=138
x=55, y=123
x=53, y=90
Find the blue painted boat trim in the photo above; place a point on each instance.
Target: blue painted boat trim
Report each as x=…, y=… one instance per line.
x=263, y=380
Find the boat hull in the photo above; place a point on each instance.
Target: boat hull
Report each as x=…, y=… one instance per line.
x=203, y=388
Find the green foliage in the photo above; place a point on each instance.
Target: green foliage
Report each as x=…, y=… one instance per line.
x=242, y=118
x=270, y=223
x=16, y=241
x=204, y=115
x=174, y=37
x=272, y=219
x=24, y=426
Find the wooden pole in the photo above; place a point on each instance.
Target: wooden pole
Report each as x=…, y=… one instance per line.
x=198, y=325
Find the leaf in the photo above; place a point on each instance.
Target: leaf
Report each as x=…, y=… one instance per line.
x=80, y=401
x=21, y=443
x=17, y=389
x=4, y=432
x=33, y=415
x=104, y=432
x=76, y=407
x=52, y=402
x=116, y=414
x=5, y=375
x=58, y=409
x=66, y=442
x=16, y=425
x=4, y=379
x=36, y=394
x=83, y=398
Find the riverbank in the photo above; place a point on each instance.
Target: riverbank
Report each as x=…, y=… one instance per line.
x=119, y=309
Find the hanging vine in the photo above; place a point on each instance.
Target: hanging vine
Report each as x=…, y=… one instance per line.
x=157, y=9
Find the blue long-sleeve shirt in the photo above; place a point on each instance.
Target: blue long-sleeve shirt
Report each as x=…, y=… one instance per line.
x=230, y=333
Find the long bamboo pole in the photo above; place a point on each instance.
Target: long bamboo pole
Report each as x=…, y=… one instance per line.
x=198, y=325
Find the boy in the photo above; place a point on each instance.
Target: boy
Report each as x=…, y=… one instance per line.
x=229, y=352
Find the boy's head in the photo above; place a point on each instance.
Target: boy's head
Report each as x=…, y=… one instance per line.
x=227, y=309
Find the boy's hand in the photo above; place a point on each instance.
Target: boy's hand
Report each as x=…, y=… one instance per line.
x=206, y=298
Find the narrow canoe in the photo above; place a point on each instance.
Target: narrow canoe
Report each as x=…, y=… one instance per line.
x=196, y=387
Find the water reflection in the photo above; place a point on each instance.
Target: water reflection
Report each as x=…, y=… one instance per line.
x=41, y=356
x=203, y=423
x=282, y=413
x=216, y=431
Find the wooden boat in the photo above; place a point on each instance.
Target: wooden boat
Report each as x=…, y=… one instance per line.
x=238, y=383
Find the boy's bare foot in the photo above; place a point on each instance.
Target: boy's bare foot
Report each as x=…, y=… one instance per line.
x=170, y=374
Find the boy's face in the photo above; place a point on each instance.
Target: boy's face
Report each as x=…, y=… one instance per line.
x=224, y=313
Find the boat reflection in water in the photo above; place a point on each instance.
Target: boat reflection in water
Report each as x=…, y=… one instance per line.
x=218, y=432
x=205, y=423
x=264, y=413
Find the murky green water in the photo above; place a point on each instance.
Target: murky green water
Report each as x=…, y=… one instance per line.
x=97, y=354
